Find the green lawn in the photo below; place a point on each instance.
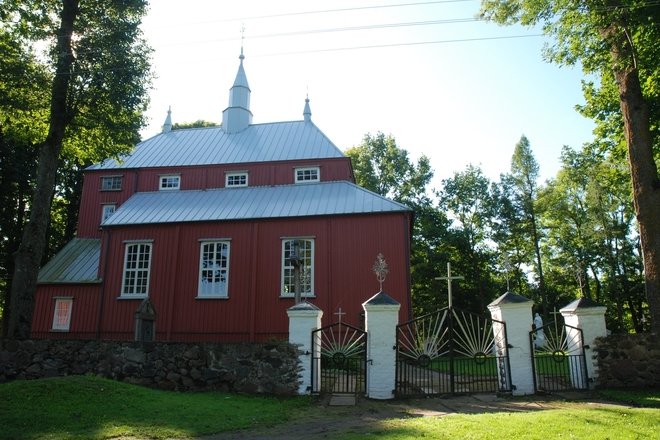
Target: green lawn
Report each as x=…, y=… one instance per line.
x=94, y=408
x=78, y=407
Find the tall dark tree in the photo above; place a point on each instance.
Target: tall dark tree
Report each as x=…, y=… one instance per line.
x=522, y=179
x=97, y=98
x=618, y=40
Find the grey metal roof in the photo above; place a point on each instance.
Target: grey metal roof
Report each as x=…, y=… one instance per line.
x=77, y=262
x=315, y=199
x=212, y=145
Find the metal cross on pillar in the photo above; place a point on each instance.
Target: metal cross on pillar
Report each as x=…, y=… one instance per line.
x=380, y=269
x=449, y=279
x=339, y=313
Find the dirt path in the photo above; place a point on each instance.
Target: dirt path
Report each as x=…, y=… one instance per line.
x=327, y=421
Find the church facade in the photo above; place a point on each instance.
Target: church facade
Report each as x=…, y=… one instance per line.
x=206, y=234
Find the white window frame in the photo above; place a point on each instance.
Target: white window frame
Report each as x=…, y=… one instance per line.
x=136, y=272
x=107, y=209
x=307, y=174
x=241, y=175
x=169, y=182
x=115, y=183
x=220, y=269
x=307, y=274
x=62, y=314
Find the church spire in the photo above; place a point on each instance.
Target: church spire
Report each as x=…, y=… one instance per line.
x=167, y=125
x=237, y=116
x=307, y=112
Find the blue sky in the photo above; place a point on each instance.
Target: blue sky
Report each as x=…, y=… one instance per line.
x=443, y=84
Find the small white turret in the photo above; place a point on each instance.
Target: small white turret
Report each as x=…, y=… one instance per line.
x=167, y=125
x=237, y=116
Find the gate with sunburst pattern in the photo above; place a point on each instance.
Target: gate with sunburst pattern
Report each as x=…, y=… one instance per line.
x=452, y=352
x=339, y=359
x=558, y=358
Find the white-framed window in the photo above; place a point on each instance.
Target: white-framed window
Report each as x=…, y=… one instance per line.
x=236, y=179
x=62, y=314
x=305, y=249
x=308, y=174
x=107, y=210
x=111, y=183
x=213, y=269
x=137, y=263
x=169, y=182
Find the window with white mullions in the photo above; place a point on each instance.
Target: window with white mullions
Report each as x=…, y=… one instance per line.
x=307, y=175
x=170, y=182
x=306, y=256
x=213, y=269
x=137, y=262
x=236, y=179
x=111, y=183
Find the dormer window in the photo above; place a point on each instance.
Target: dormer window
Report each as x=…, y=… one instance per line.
x=169, y=182
x=307, y=175
x=111, y=183
x=236, y=179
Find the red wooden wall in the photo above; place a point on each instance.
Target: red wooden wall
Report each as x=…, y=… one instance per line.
x=192, y=177
x=345, y=250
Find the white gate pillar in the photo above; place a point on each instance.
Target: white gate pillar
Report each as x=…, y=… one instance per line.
x=516, y=312
x=588, y=316
x=304, y=318
x=381, y=319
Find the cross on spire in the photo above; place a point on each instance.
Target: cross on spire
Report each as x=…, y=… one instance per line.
x=449, y=279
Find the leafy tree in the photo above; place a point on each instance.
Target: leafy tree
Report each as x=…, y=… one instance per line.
x=386, y=169
x=618, y=41
x=98, y=92
x=469, y=198
x=23, y=102
x=197, y=124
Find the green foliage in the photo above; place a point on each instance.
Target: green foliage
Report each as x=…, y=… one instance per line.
x=78, y=407
x=645, y=398
x=197, y=124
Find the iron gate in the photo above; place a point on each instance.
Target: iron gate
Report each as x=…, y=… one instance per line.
x=339, y=359
x=451, y=352
x=558, y=358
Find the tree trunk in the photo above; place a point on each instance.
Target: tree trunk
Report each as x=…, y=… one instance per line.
x=33, y=243
x=644, y=176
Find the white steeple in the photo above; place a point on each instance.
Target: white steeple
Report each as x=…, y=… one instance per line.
x=307, y=112
x=237, y=116
x=167, y=125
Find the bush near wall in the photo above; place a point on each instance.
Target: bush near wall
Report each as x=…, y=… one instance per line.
x=628, y=361
x=261, y=368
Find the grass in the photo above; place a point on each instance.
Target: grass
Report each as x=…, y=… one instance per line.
x=80, y=407
x=85, y=407
x=571, y=423
x=645, y=398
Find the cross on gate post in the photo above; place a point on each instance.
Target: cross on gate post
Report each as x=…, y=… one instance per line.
x=555, y=313
x=449, y=279
x=339, y=313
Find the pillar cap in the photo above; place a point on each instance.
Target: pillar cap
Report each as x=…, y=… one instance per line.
x=584, y=306
x=509, y=298
x=381, y=299
x=303, y=306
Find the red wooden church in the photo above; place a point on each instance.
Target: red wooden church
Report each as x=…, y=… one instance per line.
x=202, y=223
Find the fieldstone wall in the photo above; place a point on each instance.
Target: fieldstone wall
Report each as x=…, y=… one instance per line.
x=628, y=361
x=268, y=368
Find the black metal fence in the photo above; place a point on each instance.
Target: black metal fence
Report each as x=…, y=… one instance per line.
x=452, y=352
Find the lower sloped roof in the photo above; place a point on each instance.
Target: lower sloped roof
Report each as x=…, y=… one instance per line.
x=225, y=204
x=77, y=262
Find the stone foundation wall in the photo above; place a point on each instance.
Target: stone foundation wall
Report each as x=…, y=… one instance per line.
x=268, y=368
x=628, y=361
